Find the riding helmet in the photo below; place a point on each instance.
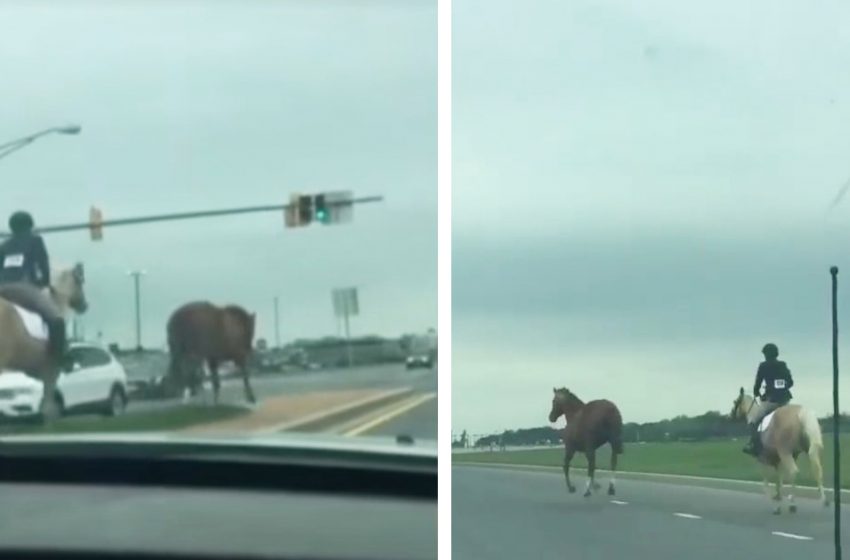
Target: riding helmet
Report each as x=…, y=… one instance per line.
x=21, y=222
x=770, y=350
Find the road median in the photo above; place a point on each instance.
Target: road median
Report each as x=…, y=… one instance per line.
x=305, y=412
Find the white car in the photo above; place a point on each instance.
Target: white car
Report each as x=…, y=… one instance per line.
x=96, y=383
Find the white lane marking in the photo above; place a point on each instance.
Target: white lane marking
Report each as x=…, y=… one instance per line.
x=384, y=418
x=792, y=536
x=687, y=515
x=619, y=502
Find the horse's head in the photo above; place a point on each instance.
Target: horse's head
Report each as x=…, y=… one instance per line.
x=559, y=403
x=741, y=405
x=247, y=324
x=564, y=402
x=252, y=324
x=67, y=288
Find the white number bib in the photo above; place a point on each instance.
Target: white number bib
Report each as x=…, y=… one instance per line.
x=13, y=261
x=778, y=383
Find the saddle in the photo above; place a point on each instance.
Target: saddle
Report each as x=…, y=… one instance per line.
x=765, y=422
x=35, y=325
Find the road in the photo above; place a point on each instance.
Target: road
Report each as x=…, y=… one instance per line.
x=420, y=422
x=507, y=513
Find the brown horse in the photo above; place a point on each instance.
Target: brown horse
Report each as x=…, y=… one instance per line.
x=791, y=431
x=201, y=332
x=20, y=351
x=589, y=426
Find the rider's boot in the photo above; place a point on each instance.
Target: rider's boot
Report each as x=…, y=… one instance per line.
x=753, y=447
x=57, y=343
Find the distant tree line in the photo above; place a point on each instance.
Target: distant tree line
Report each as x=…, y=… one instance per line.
x=711, y=425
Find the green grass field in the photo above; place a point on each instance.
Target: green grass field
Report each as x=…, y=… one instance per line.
x=719, y=459
x=170, y=419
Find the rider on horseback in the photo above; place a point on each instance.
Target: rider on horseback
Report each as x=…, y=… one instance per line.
x=24, y=276
x=777, y=380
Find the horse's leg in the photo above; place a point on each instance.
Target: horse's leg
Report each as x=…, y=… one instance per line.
x=789, y=468
x=49, y=407
x=216, y=383
x=611, y=490
x=568, y=457
x=249, y=392
x=817, y=471
x=778, y=495
x=765, y=472
x=591, y=470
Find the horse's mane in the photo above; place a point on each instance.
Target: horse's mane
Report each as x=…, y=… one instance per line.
x=239, y=312
x=569, y=397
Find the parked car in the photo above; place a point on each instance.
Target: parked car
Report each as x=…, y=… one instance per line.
x=419, y=361
x=96, y=382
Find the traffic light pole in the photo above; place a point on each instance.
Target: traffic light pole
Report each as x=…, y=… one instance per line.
x=276, y=323
x=836, y=484
x=191, y=215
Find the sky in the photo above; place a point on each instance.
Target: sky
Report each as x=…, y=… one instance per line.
x=204, y=105
x=640, y=202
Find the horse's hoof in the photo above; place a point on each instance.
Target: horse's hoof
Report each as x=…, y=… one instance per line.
x=571, y=489
x=792, y=509
x=777, y=511
x=587, y=494
x=611, y=491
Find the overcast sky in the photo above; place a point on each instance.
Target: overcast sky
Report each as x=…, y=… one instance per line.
x=639, y=202
x=204, y=105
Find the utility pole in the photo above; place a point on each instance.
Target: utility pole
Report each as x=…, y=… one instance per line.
x=137, y=274
x=836, y=484
x=276, y=323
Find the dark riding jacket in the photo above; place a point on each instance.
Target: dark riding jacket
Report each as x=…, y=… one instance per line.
x=777, y=381
x=23, y=258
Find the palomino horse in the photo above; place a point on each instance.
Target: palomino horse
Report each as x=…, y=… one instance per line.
x=20, y=351
x=792, y=430
x=201, y=332
x=589, y=426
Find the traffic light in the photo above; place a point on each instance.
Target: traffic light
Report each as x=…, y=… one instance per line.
x=322, y=212
x=96, y=223
x=290, y=216
x=305, y=210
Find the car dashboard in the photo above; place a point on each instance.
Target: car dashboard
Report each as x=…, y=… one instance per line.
x=72, y=502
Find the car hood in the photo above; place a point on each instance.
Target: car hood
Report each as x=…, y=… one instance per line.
x=17, y=380
x=289, y=441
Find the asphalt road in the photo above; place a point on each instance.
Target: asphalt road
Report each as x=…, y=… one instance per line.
x=419, y=422
x=506, y=513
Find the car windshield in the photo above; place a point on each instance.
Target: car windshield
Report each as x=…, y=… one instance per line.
x=647, y=201
x=238, y=205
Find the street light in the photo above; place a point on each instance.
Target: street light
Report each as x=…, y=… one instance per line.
x=9, y=147
x=137, y=274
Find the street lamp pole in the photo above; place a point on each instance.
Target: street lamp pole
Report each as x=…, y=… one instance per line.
x=137, y=274
x=276, y=323
x=14, y=145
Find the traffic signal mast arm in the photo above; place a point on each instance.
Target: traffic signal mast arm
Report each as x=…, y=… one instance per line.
x=96, y=223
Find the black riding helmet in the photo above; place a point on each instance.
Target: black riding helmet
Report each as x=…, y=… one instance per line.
x=21, y=222
x=770, y=350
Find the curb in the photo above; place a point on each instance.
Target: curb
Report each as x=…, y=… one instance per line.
x=733, y=484
x=325, y=419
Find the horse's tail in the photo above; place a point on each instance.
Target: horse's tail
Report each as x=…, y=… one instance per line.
x=811, y=430
x=814, y=438
x=616, y=431
x=175, y=346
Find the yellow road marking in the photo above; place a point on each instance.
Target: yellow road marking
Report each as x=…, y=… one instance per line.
x=400, y=409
